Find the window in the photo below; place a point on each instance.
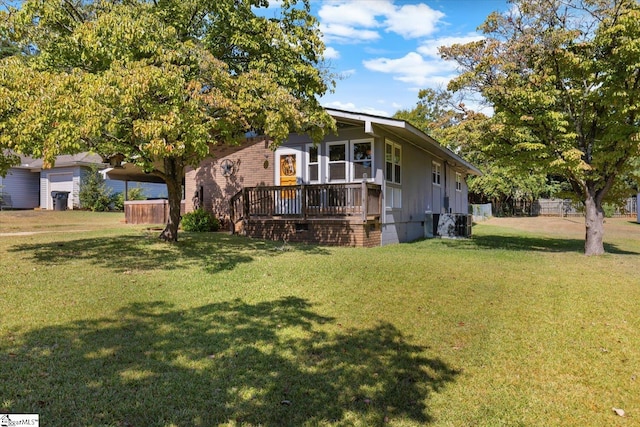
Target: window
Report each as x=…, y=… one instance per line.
x=313, y=163
x=362, y=159
x=337, y=165
x=458, y=181
x=435, y=173
x=393, y=161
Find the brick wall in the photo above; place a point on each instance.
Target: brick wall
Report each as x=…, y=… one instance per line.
x=324, y=232
x=249, y=160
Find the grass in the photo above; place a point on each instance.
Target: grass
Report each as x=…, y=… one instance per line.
x=102, y=325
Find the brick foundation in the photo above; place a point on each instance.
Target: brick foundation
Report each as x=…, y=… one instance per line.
x=333, y=232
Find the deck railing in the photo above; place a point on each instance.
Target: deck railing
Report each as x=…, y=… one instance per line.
x=363, y=200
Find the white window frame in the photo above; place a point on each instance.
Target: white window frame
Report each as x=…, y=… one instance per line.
x=347, y=169
x=308, y=163
x=436, y=173
x=393, y=179
x=353, y=161
x=458, y=181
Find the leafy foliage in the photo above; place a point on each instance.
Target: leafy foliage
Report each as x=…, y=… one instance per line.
x=135, y=193
x=200, y=220
x=564, y=80
x=157, y=83
x=94, y=193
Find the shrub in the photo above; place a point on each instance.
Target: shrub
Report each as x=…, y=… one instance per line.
x=200, y=220
x=609, y=210
x=135, y=193
x=94, y=193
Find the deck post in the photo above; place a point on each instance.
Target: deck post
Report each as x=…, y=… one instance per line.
x=303, y=195
x=245, y=201
x=232, y=217
x=364, y=197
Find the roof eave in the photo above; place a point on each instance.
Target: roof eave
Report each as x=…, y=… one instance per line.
x=369, y=120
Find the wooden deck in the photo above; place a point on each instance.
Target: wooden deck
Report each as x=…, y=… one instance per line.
x=360, y=201
x=334, y=214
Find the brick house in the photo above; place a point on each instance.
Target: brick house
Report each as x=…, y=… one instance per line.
x=378, y=181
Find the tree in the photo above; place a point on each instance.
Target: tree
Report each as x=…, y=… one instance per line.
x=436, y=113
x=444, y=116
x=563, y=77
x=156, y=83
x=94, y=193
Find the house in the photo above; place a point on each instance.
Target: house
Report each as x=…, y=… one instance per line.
x=378, y=181
x=20, y=189
x=29, y=185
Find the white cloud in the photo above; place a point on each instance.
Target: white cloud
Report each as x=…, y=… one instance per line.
x=274, y=4
x=350, y=21
x=423, y=68
x=413, y=21
x=350, y=106
x=360, y=13
x=331, y=53
x=412, y=68
x=347, y=73
x=344, y=33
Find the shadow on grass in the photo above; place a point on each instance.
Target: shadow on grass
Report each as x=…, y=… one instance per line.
x=212, y=252
x=528, y=243
x=273, y=363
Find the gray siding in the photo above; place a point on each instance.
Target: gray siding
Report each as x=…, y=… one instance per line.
x=418, y=193
x=21, y=185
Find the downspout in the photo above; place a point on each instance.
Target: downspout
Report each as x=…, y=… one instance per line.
x=368, y=128
x=446, y=201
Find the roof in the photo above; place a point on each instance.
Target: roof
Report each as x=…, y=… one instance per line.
x=401, y=129
x=131, y=172
x=82, y=159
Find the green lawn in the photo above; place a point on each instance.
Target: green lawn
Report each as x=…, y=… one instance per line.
x=103, y=325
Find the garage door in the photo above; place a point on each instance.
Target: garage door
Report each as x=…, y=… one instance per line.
x=60, y=182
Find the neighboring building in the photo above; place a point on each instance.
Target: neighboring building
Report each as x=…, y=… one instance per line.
x=378, y=181
x=20, y=189
x=29, y=185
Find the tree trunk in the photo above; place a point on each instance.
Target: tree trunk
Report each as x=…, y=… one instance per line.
x=174, y=171
x=594, y=222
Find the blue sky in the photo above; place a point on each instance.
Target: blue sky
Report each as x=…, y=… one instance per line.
x=386, y=50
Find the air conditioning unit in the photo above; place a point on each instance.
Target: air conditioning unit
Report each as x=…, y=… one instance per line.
x=447, y=225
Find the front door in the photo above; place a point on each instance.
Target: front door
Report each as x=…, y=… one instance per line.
x=288, y=168
x=288, y=173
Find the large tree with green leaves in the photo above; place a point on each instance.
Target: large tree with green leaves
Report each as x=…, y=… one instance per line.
x=155, y=83
x=563, y=77
x=444, y=116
